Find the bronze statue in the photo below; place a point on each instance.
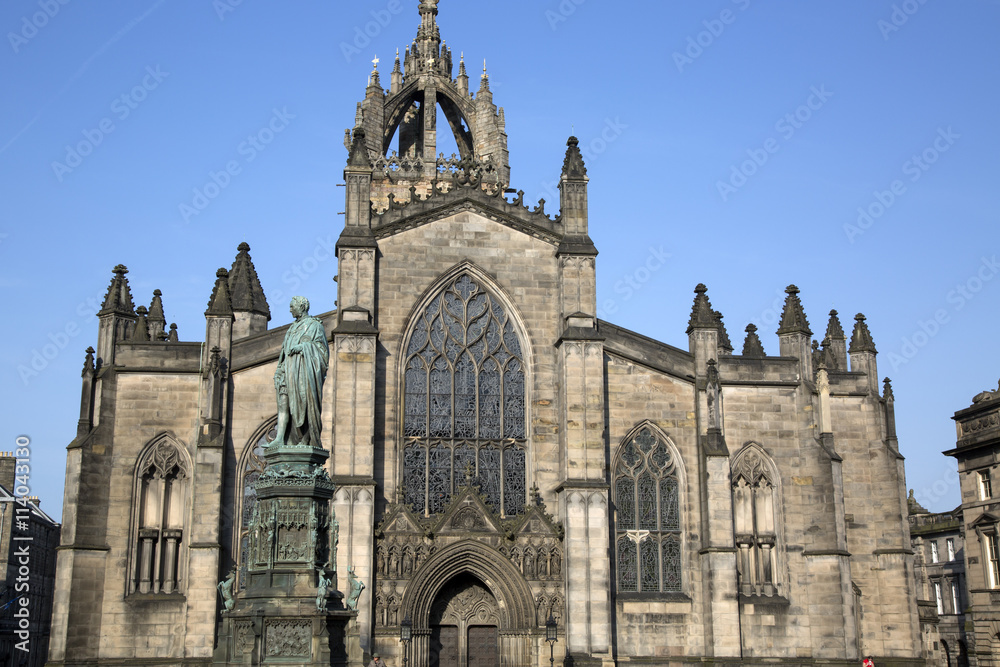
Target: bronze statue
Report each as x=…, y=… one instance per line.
x=298, y=381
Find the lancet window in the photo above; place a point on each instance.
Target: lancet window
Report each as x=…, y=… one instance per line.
x=646, y=494
x=755, y=496
x=464, y=402
x=161, y=490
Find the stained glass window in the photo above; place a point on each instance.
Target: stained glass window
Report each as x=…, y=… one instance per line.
x=647, y=516
x=464, y=412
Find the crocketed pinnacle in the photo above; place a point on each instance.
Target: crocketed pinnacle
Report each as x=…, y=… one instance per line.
x=140, y=334
x=752, y=347
x=119, y=297
x=88, y=362
x=172, y=336
x=861, y=340
x=725, y=344
x=220, y=303
x=887, y=390
x=244, y=286
x=702, y=315
x=793, y=319
x=156, y=309
x=573, y=166
x=833, y=329
x=359, y=151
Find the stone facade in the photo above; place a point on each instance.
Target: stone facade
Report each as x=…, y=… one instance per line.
x=977, y=453
x=502, y=458
x=939, y=545
x=28, y=541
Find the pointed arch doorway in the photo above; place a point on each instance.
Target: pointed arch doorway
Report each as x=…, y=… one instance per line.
x=464, y=625
x=470, y=608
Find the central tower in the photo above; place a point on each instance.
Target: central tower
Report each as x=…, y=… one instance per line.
x=419, y=87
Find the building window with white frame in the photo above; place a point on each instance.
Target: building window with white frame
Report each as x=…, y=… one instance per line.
x=956, y=608
x=993, y=554
x=934, y=552
x=950, y=543
x=985, y=485
x=938, y=598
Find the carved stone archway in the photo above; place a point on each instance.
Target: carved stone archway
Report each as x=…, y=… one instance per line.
x=515, y=604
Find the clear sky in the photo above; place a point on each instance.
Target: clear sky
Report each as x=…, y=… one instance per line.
x=731, y=142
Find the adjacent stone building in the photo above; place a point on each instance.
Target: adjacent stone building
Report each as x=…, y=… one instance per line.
x=939, y=545
x=502, y=458
x=978, y=456
x=28, y=541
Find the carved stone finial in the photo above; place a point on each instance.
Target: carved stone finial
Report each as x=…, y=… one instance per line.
x=834, y=330
x=573, y=165
x=752, y=347
x=88, y=363
x=172, y=337
x=793, y=319
x=220, y=303
x=861, y=340
x=725, y=344
x=702, y=315
x=246, y=292
x=118, y=299
x=359, y=150
x=140, y=334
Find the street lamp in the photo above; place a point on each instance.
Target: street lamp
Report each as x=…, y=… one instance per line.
x=405, y=635
x=551, y=636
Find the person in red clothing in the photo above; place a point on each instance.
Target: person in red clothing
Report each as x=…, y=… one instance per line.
x=868, y=662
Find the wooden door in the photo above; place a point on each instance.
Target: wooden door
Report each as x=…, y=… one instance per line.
x=483, y=647
x=444, y=646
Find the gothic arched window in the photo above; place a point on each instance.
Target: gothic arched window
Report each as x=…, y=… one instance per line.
x=755, y=496
x=464, y=402
x=251, y=470
x=161, y=489
x=646, y=493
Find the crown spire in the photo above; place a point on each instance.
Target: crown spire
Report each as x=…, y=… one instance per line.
x=573, y=166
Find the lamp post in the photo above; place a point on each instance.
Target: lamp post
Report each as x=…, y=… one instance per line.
x=551, y=636
x=405, y=635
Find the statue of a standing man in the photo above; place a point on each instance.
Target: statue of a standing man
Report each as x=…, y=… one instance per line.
x=302, y=364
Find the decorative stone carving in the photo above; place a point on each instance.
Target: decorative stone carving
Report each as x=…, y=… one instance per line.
x=287, y=638
x=226, y=590
x=356, y=586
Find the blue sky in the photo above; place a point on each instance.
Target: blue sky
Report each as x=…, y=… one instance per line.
x=734, y=142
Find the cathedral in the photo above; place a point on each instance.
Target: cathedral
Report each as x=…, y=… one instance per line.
x=504, y=479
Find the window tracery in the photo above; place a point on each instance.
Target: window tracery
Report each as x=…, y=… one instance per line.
x=647, y=516
x=754, y=481
x=161, y=493
x=464, y=402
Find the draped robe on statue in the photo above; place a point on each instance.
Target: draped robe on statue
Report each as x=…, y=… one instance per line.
x=305, y=356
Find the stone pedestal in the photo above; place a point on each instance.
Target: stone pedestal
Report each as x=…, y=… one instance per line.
x=290, y=613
